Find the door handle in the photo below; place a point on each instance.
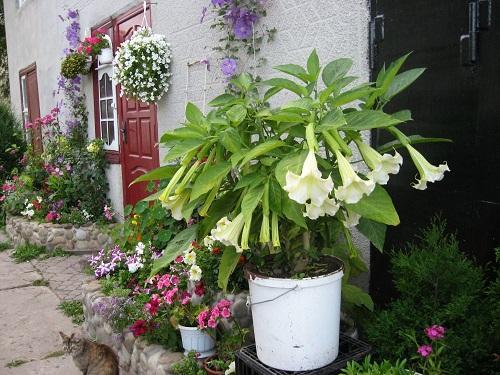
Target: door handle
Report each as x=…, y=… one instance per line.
x=123, y=130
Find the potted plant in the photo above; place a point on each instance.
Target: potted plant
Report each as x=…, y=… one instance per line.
x=97, y=45
x=74, y=64
x=224, y=361
x=278, y=185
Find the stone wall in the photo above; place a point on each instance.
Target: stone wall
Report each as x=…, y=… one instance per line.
x=136, y=356
x=68, y=237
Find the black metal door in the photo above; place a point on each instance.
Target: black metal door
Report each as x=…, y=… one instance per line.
x=458, y=97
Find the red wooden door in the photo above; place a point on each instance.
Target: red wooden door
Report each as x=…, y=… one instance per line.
x=138, y=126
x=30, y=94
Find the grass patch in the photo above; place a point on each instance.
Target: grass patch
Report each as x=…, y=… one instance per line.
x=57, y=252
x=5, y=246
x=74, y=310
x=58, y=353
x=16, y=363
x=41, y=282
x=28, y=252
x=87, y=270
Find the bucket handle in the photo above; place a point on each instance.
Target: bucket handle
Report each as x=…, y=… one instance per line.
x=250, y=303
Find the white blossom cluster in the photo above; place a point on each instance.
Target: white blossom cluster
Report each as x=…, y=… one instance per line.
x=142, y=66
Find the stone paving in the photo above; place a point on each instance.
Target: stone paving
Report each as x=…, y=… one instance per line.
x=30, y=320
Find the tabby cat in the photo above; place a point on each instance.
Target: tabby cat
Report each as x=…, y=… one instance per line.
x=90, y=357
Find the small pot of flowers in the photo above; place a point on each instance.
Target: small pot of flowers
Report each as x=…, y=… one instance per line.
x=223, y=362
x=97, y=45
x=74, y=64
x=282, y=185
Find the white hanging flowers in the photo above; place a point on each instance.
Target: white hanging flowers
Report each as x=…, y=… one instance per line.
x=381, y=165
x=329, y=207
x=228, y=232
x=427, y=171
x=142, y=66
x=175, y=204
x=354, y=187
x=309, y=187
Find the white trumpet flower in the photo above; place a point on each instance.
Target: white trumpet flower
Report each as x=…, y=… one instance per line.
x=427, y=171
x=309, y=187
x=381, y=165
x=228, y=232
x=353, y=187
x=175, y=204
x=329, y=207
x=351, y=219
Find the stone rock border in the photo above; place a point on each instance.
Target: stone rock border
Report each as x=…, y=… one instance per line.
x=136, y=356
x=73, y=238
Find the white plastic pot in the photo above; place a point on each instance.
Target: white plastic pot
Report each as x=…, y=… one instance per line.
x=106, y=56
x=296, y=322
x=193, y=339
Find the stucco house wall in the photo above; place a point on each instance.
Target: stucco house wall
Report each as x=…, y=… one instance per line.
x=336, y=28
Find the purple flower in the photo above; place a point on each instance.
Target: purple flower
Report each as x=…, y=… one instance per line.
x=220, y=3
x=435, y=332
x=72, y=13
x=242, y=28
x=228, y=67
x=424, y=350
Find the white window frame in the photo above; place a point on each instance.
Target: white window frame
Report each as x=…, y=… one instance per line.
x=101, y=71
x=24, y=107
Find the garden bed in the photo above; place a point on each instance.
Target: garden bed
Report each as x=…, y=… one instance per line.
x=68, y=237
x=135, y=355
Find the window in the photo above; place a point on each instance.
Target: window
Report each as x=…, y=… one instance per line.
x=107, y=108
x=24, y=105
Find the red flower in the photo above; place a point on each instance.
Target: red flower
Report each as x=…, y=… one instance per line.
x=216, y=250
x=139, y=328
x=242, y=259
x=199, y=289
x=88, y=50
x=153, y=304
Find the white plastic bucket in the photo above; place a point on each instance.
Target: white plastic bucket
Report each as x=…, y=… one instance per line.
x=193, y=339
x=296, y=322
x=106, y=56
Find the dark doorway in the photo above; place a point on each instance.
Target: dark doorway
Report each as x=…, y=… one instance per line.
x=458, y=97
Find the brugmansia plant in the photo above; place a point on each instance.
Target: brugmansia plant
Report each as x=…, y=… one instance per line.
x=286, y=184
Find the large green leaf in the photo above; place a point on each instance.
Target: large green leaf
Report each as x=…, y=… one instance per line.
x=161, y=173
x=231, y=140
x=313, y=67
x=249, y=179
x=222, y=100
x=261, y=149
x=275, y=193
x=356, y=296
x=228, y=263
x=351, y=95
x=251, y=200
x=332, y=120
x=368, y=119
x=335, y=70
x=291, y=162
x=193, y=114
x=377, y=206
x=207, y=179
x=287, y=85
x=401, y=82
x=181, y=134
x=174, y=248
x=182, y=148
x=294, y=70
x=236, y=114
x=293, y=211
x=414, y=139
x=284, y=116
x=243, y=81
x=299, y=105
x=374, y=231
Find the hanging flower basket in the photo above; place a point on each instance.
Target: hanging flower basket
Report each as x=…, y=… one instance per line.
x=142, y=66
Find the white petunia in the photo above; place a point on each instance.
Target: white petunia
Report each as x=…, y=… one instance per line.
x=353, y=187
x=428, y=172
x=189, y=257
x=309, y=187
x=195, y=273
x=139, y=248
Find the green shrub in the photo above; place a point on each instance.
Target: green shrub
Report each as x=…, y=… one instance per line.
x=187, y=366
x=12, y=144
x=28, y=252
x=73, y=65
x=367, y=367
x=73, y=309
x=437, y=284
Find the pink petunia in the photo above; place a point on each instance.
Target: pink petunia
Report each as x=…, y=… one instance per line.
x=424, y=350
x=185, y=298
x=212, y=323
x=170, y=295
x=225, y=313
x=202, y=317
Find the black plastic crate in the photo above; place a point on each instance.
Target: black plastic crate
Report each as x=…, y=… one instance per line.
x=350, y=349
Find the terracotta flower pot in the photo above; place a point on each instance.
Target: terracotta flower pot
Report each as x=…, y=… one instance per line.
x=208, y=369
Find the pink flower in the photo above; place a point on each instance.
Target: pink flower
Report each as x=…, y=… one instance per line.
x=170, y=295
x=164, y=281
x=223, y=303
x=139, y=328
x=225, y=313
x=174, y=280
x=435, y=332
x=179, y=259
x=185, y=298
x=424, y=350
x=212, y=323
x=215, y=313
x=199, y=289
x=153, y=304
x=202, y=317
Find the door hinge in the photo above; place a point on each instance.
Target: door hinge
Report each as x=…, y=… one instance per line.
x=479, y=19
x=376, y=35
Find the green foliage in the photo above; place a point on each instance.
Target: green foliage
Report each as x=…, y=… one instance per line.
x=73, y=65
x=12, y=144
x=27, y=252
x=41, y=282
x=73, y=310
x=369, y=367
x=437, y=284
x=5, y=246
x=188, y=366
